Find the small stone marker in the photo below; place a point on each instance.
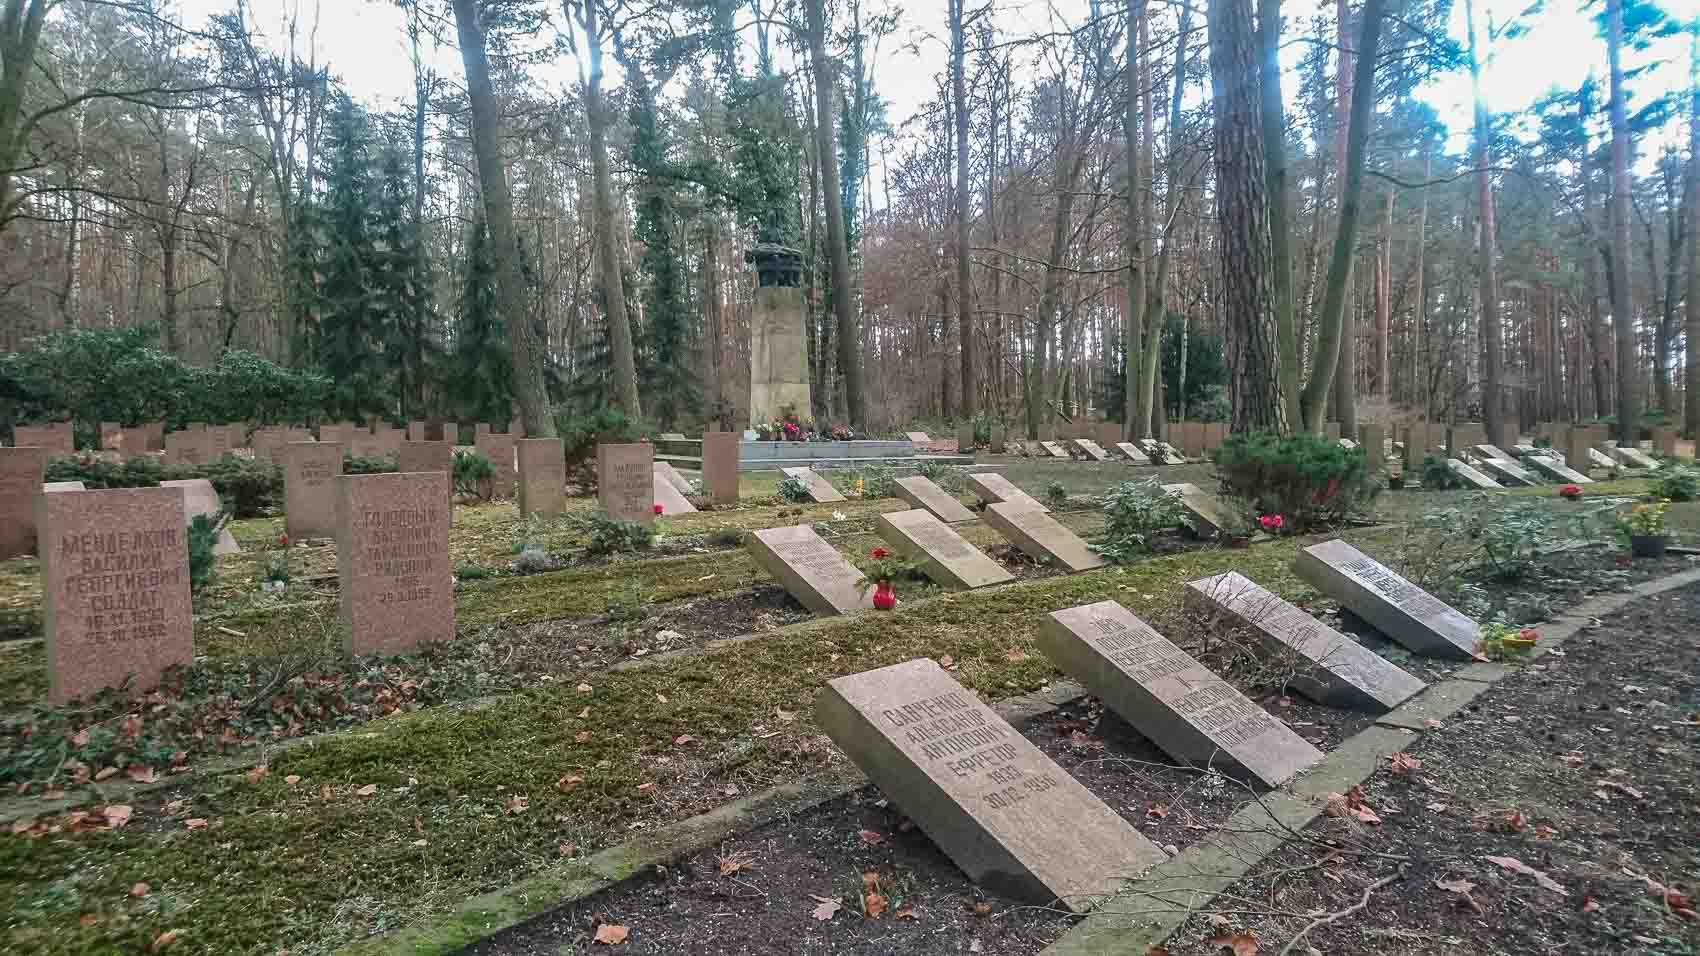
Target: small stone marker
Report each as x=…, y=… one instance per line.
x=1342, y=673
x=542, y=476
x=415, y=431
x=1133, y=453
x=820, y=490
x=134, y=442
x=1556, y=470
x=1577, y=447
x=191, y=446
x=340, y=433
x=1170, y=698
x=965, y=438
x=310, y=472
x=1091, y=449
x=1054, y=449
x=679, y=482
x=115, y=589
x=919, y=438
x=990, y=487
x=720, y=467
x=920, y=491
x=392, y=559
x=1375, y=446
x=201, y=499
x=1470, y=476
x=1633, y=457
x=421, y=456
x=53, y=487
x=811, y=570
x=1204, y=509
x=625, y=481
x=1000, y=439
x=669, y=498
x=1396, y=607
x=673, y=436
x=1041, y=536
x=1109, y=433
x=499, y=448
x=218, y=441
x=1600, y=459
x=1510, y=473
x=949, y=560
x=21, y=473
x=1014, y=821
x=1664, y=441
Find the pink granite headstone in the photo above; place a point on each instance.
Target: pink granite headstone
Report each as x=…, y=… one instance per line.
x=720, y=467
x=625, y=481
x=310, y=471
x=542, y=476
x=392, y=550
x=21, y=473
x=499, y=448
x=115, y=589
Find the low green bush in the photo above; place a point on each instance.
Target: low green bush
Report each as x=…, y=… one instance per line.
x=1308, y=479
x=1134, y=511
x=1056, y=493
x=580, y=435
x=610, y=535
x=246, y=488
x=939, y=473
x=1437, y=476
x=1676, y=483
x=203, y=536
x=472, y=474
x=793, y=489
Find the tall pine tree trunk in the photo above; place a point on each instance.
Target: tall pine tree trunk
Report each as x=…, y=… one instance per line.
x=1242, y=215
x=964, y=297
x=838, y=252
x=625, y=392
x=1275, y=175
x=1622, y=317
x=1488, y=293
x=499, y=219
x=1691, y=386
x=1133, y=326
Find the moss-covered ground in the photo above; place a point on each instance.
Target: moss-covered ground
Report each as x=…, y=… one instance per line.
x=401, y=816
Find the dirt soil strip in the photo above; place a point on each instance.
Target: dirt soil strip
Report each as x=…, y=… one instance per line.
x=492, y=912
x=1153, y=909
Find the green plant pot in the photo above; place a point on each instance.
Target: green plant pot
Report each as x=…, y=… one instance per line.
x=1648, y=545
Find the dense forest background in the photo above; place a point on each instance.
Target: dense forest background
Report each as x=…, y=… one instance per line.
x=1256, y=208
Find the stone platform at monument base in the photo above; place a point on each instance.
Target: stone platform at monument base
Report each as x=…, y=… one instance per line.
x=819, y=455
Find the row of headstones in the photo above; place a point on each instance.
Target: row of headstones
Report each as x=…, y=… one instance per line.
x=1481, y=464
x=1018, y=824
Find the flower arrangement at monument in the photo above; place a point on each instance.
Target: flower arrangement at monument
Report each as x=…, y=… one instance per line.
x=1500, y=642
x=1272, y=523
x=1570, y=491
x=883, y=568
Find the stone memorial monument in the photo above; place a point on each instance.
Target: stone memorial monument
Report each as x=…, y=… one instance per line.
x=625, y=481
x=310, y=472
x=779, y=364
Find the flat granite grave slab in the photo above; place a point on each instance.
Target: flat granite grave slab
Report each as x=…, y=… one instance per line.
x=1396, y=607
x=811, y=570
x=669, y=498
x=200, y=498
x=919, y=438
x=1091, y=449
x=52, y=487
x=115, y=589
x=1510, y=473
x=1556, y=469
x=820, y=490
x=1205, y=510
x=1015, y=822
x=1041, y=536
x=1470, y=476
x=1486, y=451
x=920, y=491
x=991, y=487
x=945, y=556
x=1634, y=457
x=1133, y=453
x=392, y=551
x=1173, y=700
x=1600, y=459
x=1330, y=668
x=1054, y=449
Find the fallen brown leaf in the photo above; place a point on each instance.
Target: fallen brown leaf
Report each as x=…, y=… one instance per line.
x=257, y=774
x=367, y=790
x=1240, y=944
x=165, y=939
x=139, y=890
x=871, y=837
x=1518, y=866
x=195, y=823
x=826, y=909
x=873, y=905
x=611, y=934
x=117, y=814
x=583, y=736
x=568, y=784
x=1403, y=763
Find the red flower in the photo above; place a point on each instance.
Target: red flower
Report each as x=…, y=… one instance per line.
x=1272, y=522
x=1570, y=491
x=1529, y=634
x=283, y=540
x=879, y=554
x=657, y=509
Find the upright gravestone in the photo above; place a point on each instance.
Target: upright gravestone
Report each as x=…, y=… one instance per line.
x=669, y=498
x=946, y=558
x=416, y=431
x=218, y=442
x=134, y=442
x=1470, y=476
x=200, y=499
x=392, y=559
x=965, y=438
x=419, y=456
x=58, y=438
x=1329, y=667
x=1664, y=441
x=1416, y=445
x=1204, y=511
x=1170, y=698
x=1332, y=430
x=1014, y=821
x=364, y=444
x=1395, y=606
x=1109, y=433
x=1091, y=449
x=1464, y=436
x=21, y=473
x=1215, y=434
x=156, y=436
x=1509, y=472
x=811, y=570
x=920, y=491
x=1041, y=536
x=1375, y=446
x=990, y=487
x=310, y=472
x=499, y=448
x=720, y=467
x=340, y=433
x=115, y=589
x=820, y=490
x=542, y=476
x=1578, y=447
x=189, y=447
x=1000, y=439
x=625, y=481
x=111, y=436
x=1133, y=453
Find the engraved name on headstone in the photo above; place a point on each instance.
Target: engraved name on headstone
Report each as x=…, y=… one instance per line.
x=392, y=549
x=1396, y=607
x=920, y=491
x=811, y=570
x=1041, y=536
x=944, y=555
x=542, y=476
x=310, y=471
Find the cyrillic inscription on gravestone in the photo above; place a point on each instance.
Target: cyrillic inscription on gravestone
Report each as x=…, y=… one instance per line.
x=115, y=589
x=21, y=474
x=310, y=471
x=1397, y=608
x=625, y=481
x=1172, y=699
x=392, y=551
x=920, y=491
x=820, y=490
x=811, y=570
x=542, y=476
x=1041, y=536
x=1332, y=669
x=1091, y=449
x=1014, y=821
x=990, y=487
x=919, y=535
